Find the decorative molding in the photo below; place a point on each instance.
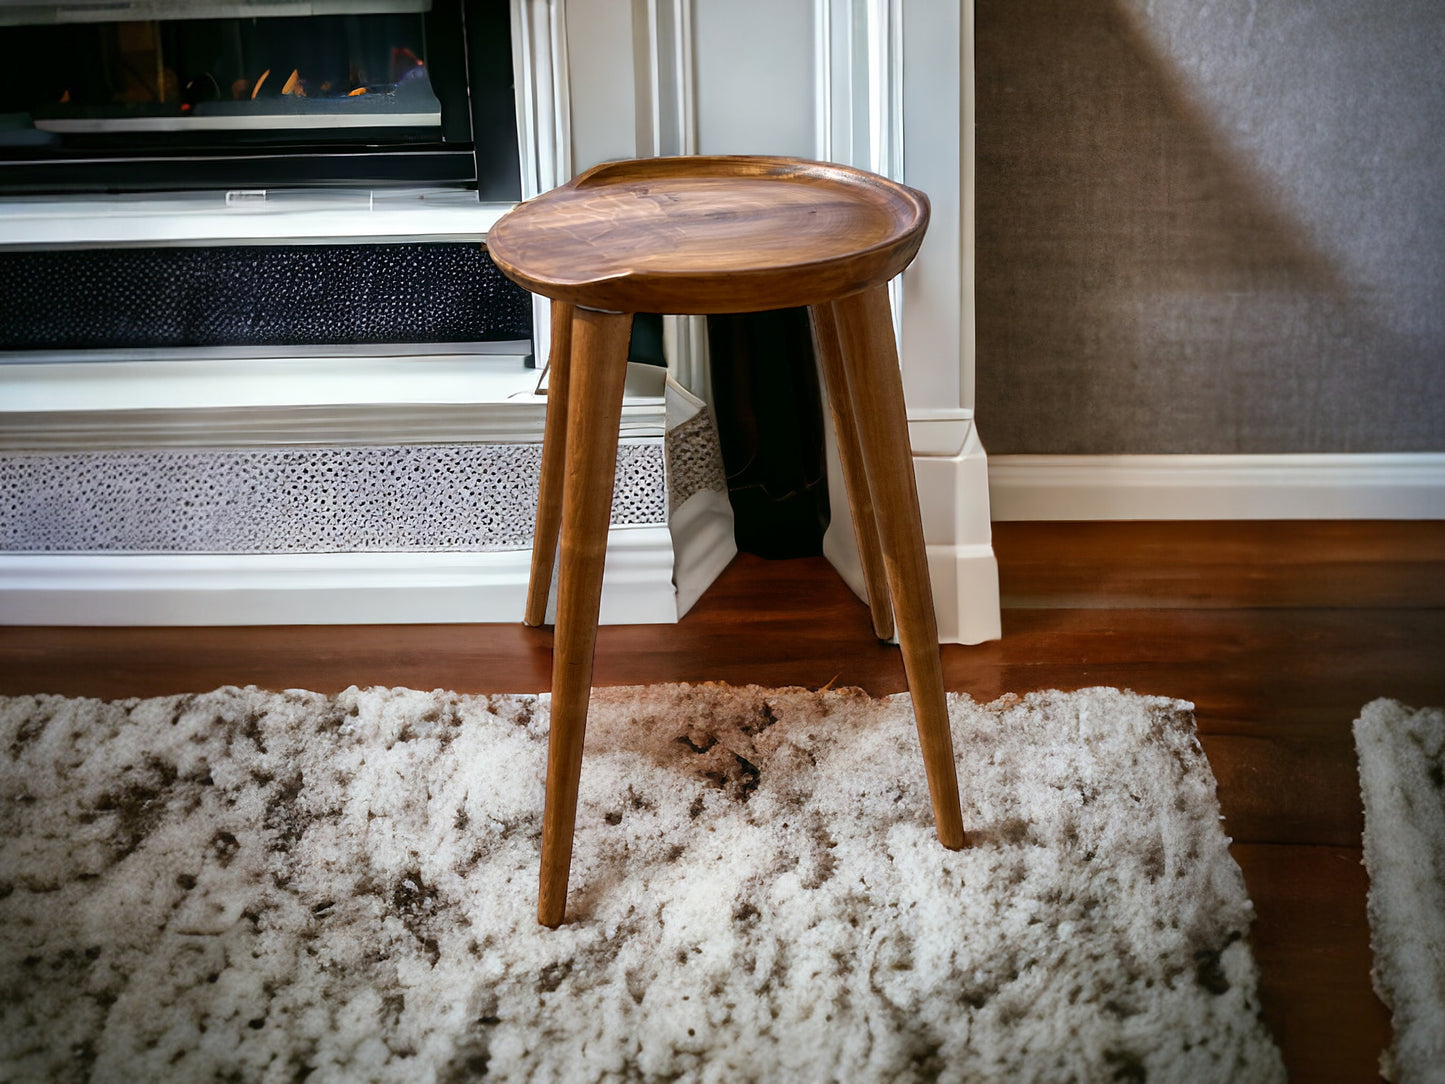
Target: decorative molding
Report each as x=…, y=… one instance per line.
x=824, y=110
x=965, y=593
x=910, y=122
x=684, y=344
x=1142, y=487
x=952, y=495
x=941, y=432
x=859, y=119
x=333, y=425
x=703, y=545
x=258, y=402
x=544, y=119
x=544, y=113
x=666, y=79
x=952, y=480
x=666, y=90
x=654, y=573
x=320, y=588
x=867, y=102
x=197, y=379
x=206, y=218
x=858, y=61
x=885, y=87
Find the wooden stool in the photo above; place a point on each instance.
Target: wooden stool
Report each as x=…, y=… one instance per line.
x=702, y=235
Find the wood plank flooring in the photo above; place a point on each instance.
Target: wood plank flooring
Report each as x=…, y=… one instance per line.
x=1278, y=632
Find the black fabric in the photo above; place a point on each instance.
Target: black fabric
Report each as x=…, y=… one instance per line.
x=770, y=424
x=257, y=295
x=645, y=347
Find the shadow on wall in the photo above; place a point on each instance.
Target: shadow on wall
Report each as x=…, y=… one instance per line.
x=1142, y=288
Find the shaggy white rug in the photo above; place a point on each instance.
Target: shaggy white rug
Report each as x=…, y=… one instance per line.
x=254, y=886
x=1402, y=781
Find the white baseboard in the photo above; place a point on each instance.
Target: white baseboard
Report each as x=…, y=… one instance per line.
x=965, y=592
x=950, y=467
x=319, y=588
x=703, y=537
x=1161, y=487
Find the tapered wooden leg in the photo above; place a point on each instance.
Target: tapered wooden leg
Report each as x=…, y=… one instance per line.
x=870, y=358
x=855, y=479
x=599, y=343
x=554, y=463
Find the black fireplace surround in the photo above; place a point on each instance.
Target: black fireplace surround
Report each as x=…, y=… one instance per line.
x=132, y=96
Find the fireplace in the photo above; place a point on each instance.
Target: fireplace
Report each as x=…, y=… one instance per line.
x=131, y=95
x=569, y=83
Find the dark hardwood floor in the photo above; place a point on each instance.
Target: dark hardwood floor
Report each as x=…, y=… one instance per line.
x=1278, y=632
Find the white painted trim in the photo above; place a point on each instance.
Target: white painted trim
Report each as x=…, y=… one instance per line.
x=685, y=337
x=544, y=113
x=544, y=120
x=913, y=122
x=885, y=114
x=304, y=216
x=136, y=406
x=319, y=588
x=858, y=99
x=943, y=432
x=824, y=111
x=1169, y=487
x=684, y=344
x=519, y=420
x=885, y=87
x=952, y=495
x=965, y=593
x=666, y=89
x=666, y=77
x=703, y=544
x=172, y=381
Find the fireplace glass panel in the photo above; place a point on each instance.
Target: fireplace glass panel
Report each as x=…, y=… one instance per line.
x=314, y=79
x=290, y=91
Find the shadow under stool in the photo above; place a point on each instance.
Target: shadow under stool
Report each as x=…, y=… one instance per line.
x=706, y=235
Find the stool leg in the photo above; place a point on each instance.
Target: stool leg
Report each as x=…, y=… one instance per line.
x=855, y=479
x=870, y=358
x=554, y=465
x=599, y=342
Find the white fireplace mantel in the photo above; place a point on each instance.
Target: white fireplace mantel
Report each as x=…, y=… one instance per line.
x=881, y=84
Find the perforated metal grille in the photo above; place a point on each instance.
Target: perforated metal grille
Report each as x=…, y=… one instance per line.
x=297, y=500
x=257, y=295
x=694, y=460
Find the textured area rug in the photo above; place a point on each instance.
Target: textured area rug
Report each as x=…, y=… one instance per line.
x=254, y=886
x=1402, y=781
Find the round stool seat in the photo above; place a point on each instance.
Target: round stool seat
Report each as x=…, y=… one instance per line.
x=701, y=235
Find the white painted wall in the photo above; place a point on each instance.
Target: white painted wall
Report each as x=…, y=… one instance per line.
x=602, y=74
x=756, y=85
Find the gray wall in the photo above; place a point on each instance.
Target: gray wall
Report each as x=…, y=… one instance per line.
x=1211, y=226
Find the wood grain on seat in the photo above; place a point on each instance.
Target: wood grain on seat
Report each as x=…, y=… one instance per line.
x=699, y=235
